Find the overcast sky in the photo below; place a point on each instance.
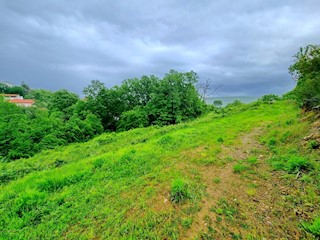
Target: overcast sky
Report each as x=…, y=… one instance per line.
x=245, y=45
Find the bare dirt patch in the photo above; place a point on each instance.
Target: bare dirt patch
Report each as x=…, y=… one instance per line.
x=249, y=205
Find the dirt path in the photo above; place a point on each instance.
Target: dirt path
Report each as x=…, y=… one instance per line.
x=248, y=205
x=229, y=182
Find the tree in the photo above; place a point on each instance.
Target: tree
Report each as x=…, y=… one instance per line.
x=217, y=103
x=16, y=90
x=206, y=89
x=41, y=96
x=62, y=100
x=306, y=71
x=3, y=88
x=175, y=99
x=93, y=90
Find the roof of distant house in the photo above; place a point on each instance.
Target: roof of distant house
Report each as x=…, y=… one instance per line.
x=30, y=101
x=10, y=95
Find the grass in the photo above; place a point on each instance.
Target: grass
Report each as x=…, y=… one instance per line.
x=313, y=227
x=239, y=168
x=143, y=183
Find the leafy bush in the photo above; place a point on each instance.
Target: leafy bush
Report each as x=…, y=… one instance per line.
x=132, y=119
x=179, y=191
x=306, y=71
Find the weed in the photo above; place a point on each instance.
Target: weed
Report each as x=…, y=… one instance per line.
x=251, y=192
x=216, y=180
x=179, y=191
x=186, y=223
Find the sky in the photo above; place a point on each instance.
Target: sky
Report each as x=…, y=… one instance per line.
x=243, y=46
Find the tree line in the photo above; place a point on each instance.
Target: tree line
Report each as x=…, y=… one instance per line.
x=61, y=117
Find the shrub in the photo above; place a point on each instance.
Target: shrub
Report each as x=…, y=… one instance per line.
x=179, y=191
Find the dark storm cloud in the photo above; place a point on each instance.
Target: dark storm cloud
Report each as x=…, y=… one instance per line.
x=247, y=46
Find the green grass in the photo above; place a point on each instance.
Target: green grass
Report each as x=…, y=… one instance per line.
x=127, y=185
x=313, y=227
x=239, y=168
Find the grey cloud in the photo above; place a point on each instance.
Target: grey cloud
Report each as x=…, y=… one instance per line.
x=245, y=45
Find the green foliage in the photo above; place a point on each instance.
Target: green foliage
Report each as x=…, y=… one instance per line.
x=26, y=131
x=62, y=100
x=179, y=191
x=306, y=70
x=16, y=90
x=132, y=119
x=217, y=103
x=145, y=101
x=42, y=97
x=3, y=88
x=313, y=227
x=175, y=99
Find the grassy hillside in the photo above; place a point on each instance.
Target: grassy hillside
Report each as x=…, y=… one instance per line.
x=244, y=175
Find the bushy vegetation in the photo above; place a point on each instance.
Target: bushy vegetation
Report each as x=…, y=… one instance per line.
x=62, y=117
x=145, y=101
x=26, y=131
x=306, y=71
x=22, y=90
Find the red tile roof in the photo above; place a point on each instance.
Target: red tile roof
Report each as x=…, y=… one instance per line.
x=30, y=101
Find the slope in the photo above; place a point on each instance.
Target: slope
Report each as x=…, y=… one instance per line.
x=216, y=177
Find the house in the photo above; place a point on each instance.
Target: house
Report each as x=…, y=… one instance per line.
x=11, y=96
x=18, y=100
x=22, y=102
